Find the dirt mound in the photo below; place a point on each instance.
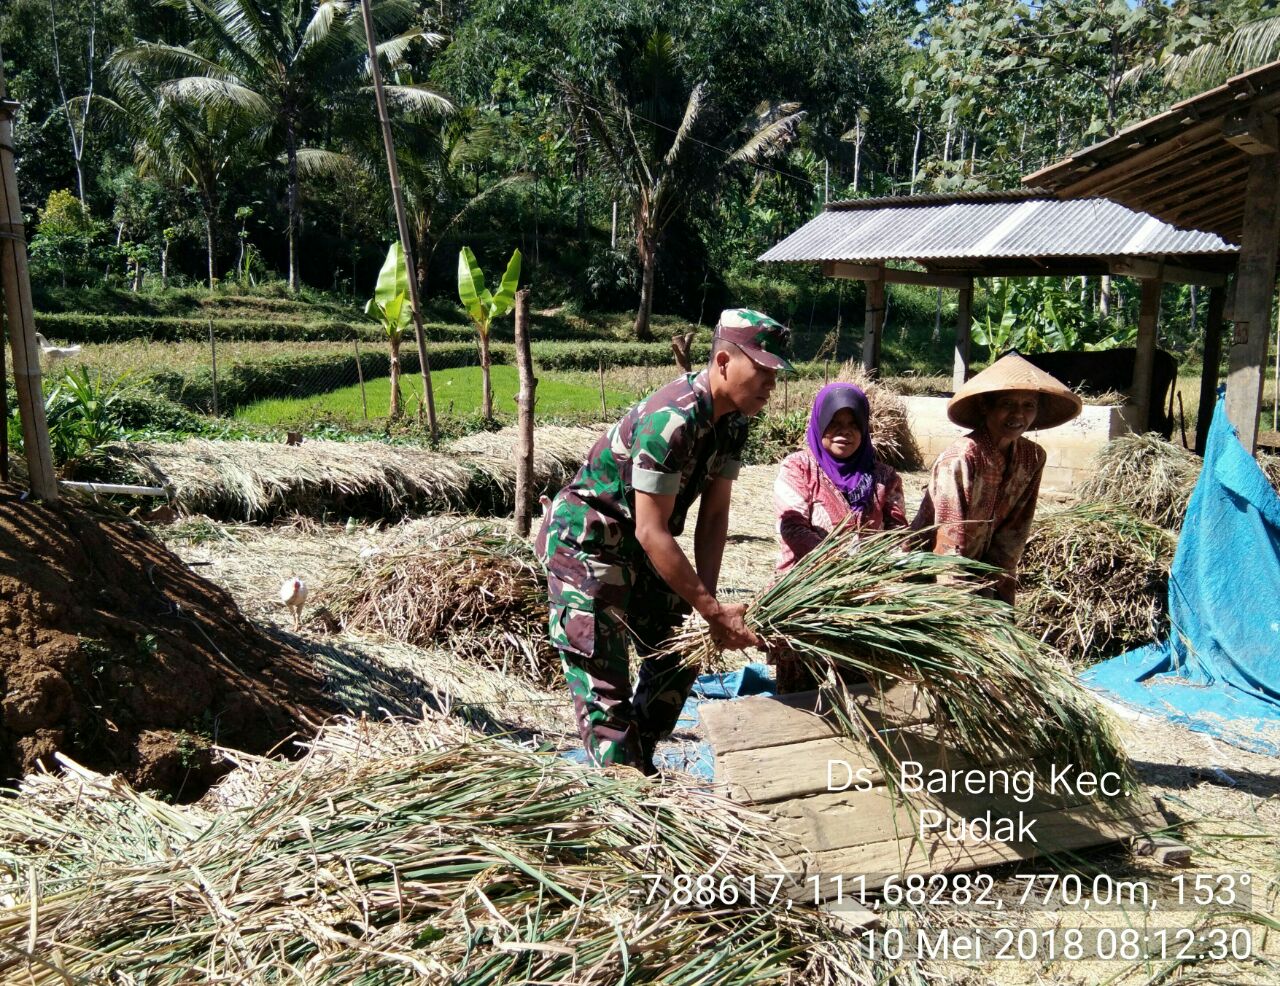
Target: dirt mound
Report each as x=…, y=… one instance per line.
x=113, y=651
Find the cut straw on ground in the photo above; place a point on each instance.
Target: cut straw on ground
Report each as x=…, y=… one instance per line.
x=397, y=854
x=473, y=589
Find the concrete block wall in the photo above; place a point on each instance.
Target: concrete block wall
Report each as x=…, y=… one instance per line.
x=1069, y=448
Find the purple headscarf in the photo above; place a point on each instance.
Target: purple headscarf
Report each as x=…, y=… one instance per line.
x=854, y=476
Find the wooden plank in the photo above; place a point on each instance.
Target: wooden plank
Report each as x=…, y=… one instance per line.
x=1209, y=370
x=891, y=275
x=790, y=771
x=1057, y=833
x=964, y=325
x=1168, y=273
x=839, y=819
x=1144, y=360
x=873, y=326
x=1255, y=284
x=1253, y=132
x=764, y=721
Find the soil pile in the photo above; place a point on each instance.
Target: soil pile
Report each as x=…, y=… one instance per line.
x=113, y=651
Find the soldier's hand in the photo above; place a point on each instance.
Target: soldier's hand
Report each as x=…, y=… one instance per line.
x=729, y=629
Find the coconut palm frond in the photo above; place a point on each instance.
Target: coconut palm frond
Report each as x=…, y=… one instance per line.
x=170, y=60
x=688, y=123
x=314, y=162
x=217, y=94
x=320, y=27
x=769, y=139
x=1250, y=45
x=417, y=99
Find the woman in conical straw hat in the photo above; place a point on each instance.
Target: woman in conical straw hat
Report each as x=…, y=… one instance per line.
x=983, y=489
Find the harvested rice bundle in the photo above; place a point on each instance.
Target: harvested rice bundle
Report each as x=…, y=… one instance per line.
x=1144, y=473
x=914, y=617
x=890, y=429
x=558, y=452
x=1094, y=581
x=386, y=857
x=472, y=589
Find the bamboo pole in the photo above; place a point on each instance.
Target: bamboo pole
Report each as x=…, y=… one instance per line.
x=402, y=220
x=20, y=316
x=364, y=401
x=604, y=407
x=525, y=404
x=213, y=360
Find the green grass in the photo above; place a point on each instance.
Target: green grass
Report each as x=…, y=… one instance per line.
x=457, y=394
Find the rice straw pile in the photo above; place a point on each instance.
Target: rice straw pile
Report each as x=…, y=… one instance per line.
x=558, y=452
x=471, y=589
x=894, y=616
x=394, y=854
x=1151, y=477
x=889, y=425
x=1094, y=581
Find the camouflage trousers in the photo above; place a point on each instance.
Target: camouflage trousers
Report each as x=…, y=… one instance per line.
x=619, y=724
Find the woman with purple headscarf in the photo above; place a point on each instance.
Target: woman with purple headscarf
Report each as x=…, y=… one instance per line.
x=835, y=479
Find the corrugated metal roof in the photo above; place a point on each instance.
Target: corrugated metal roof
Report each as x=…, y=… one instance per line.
x=1008, y=228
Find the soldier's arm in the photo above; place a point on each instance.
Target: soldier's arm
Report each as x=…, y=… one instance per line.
x=653, y=512
x=713, y=527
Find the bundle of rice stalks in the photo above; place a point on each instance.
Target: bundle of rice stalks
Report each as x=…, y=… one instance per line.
x=397, y=860
x=894, y=616
x=1094, y=581
x=472, y=589
x=890, y=429
x=1144, y=473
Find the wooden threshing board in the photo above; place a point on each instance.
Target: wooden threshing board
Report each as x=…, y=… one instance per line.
x=773, y=753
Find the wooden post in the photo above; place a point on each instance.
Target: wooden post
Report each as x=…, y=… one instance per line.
x=1255, y=285
x=524, y=403
x=213, y=359
x=964, y=327
x=364, y=400
x=20, y=316
x=4, y=415
x=874, y=325
x=402, y=220
x=1212, y=363
x=604, y=406
x=1144, y=361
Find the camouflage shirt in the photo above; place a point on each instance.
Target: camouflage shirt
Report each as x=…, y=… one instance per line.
x=666, y=444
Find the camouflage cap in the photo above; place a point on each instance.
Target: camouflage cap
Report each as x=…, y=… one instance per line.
x=757, y=335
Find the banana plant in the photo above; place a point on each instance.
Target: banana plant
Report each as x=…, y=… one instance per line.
x=391, y=308
x=484, y=306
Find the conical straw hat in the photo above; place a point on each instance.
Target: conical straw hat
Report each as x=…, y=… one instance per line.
x=1058, y=404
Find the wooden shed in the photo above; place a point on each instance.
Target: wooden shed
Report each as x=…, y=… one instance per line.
x=1209, y=163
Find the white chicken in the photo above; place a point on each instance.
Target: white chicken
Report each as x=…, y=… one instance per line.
x=54, y=352
x=293, y=593
x=545, y=502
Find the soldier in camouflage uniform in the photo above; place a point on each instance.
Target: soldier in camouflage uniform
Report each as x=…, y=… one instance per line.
x=614, y=570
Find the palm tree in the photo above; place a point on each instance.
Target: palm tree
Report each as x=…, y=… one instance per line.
x=190, y=146
x=1250, y=45
x=285, y=68
x=665, y=147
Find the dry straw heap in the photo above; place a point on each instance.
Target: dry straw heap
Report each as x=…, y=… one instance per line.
x=472, y=589
x=1094, y=581
x=1152, y=477
x=870, y=608
x=396, y=854
x=257, y=480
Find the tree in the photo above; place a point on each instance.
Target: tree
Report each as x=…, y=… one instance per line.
x=390, y=307
x=484, y=306
x=286, y=69
x=662, y=143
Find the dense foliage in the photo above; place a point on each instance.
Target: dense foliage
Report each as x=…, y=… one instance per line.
x=639, y=153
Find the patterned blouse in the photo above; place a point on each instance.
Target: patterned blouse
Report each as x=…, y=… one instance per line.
x=809, y=506
x=982, y=503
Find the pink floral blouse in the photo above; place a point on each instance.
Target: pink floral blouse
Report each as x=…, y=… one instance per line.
x=809, y=506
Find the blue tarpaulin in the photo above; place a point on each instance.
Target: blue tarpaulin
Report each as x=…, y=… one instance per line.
x=1219, y=671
